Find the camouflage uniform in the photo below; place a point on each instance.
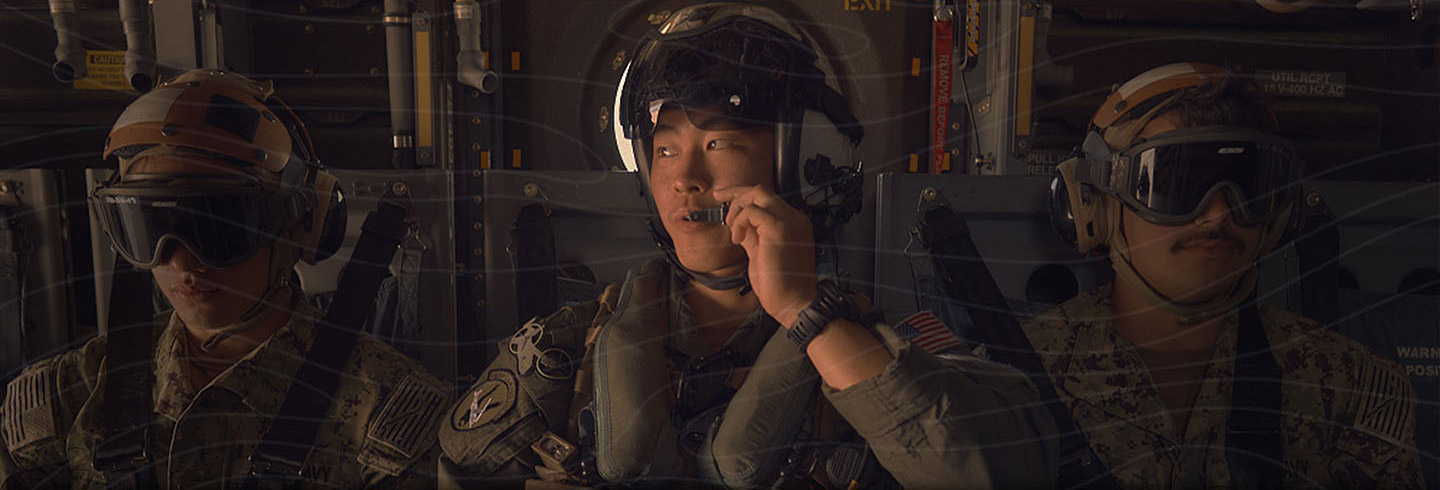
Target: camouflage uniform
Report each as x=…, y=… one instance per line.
x=386, y=412
x=1348, y=414
x=931, y=421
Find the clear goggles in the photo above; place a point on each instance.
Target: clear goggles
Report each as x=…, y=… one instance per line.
x=222, y=223
x=1169, y=179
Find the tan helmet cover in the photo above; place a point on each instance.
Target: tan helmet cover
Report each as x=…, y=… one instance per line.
x=1135, y=93
x=211, y=110
x=224, y=114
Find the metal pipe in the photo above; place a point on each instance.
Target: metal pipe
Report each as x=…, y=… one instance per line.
x=399, y=58
x=69, y=51
x=139, y=55
x=473, y=66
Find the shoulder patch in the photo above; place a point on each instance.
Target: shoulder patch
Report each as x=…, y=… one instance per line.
x=1386, y=401
x=408, y=419
x=485, y=403
x=29, y=416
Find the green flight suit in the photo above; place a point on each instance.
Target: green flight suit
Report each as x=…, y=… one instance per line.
x=1348, y=420
x=382, y=434
x=948, y=421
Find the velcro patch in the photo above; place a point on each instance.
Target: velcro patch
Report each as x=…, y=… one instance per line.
x=485, y=403
x=28, y=414
x=1386, y=402
x=926, y=331
x=408, y=417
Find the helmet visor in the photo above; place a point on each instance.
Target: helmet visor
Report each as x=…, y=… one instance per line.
x=222, y=226
x=746, y=71
x=1171, y=178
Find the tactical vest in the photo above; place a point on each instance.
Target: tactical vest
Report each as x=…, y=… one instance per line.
x=618, y=411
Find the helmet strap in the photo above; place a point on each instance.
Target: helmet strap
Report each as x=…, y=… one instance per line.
x=739, y=281
x=1186, y=312
x=267, y=305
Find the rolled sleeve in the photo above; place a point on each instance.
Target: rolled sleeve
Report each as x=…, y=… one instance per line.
x=951, y=421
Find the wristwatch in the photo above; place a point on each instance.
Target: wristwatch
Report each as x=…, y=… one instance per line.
x=830, y=304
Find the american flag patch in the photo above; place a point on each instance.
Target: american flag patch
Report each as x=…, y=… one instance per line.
x=1386, y=402
x=927, y=332
x=28, y=417
x=407, y=416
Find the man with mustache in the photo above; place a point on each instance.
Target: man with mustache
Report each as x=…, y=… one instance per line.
x=218, y=194
x=1173, y=374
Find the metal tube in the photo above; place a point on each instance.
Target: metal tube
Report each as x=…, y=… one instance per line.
x=398, y=56
x=473, y=67
x=139, y=55
x=69, y=51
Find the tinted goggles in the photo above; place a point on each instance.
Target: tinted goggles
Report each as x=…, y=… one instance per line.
x=1169, y=179
x=221, y=224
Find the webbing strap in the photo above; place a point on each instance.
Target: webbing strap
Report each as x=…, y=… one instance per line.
x=532, y=252
x=969, y=282
x=282, y=453
x=12, y=291
x=1318, y=245
x=130, y=350
x=1254, y=446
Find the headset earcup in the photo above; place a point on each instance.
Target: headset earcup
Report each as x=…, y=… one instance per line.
x=1085, y=210
x=826, y=158
x=326, y=216
x=332, y=232
x=1062, y=218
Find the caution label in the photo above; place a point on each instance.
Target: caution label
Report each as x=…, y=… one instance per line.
x=1043, y=162
x=104, y=70
x=1414, y=359
x=1315, y=84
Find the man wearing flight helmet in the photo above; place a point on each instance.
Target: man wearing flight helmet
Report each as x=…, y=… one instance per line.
x=1173, y=373
x=218, y=195
x=730, y=364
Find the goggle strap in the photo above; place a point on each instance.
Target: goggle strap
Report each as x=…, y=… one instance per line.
x=1093, y=172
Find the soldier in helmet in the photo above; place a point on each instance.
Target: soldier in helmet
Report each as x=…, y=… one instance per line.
x=218, y=195
x=734, y=363
x=1173, y=373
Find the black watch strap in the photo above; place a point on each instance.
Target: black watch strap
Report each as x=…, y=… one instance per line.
x=830, y=304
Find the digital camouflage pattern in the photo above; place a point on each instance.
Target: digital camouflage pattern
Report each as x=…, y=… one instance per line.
x=931, y=421
x=380, y=433
x=1349, y=414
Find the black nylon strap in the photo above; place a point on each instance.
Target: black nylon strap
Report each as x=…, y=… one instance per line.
x=970, y=283
x=13, y=345
x=282, y=453
x=129, y=378
x=532, y=252
x=1318, y=245
x=1254, y=445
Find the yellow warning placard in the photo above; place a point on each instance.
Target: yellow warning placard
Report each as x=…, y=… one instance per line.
x=104, y=70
